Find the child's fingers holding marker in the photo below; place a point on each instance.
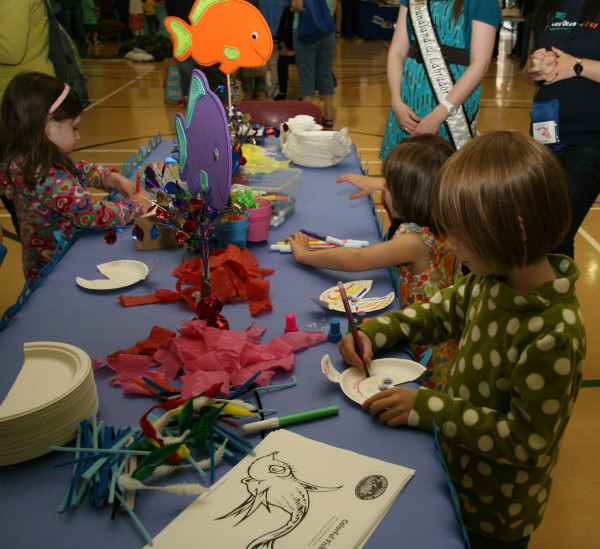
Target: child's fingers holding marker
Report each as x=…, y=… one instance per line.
x=348, y=350
x=299, y=244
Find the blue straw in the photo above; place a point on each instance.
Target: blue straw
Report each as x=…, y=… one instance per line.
x=280, y=386
x=244, y=386
x=136, y=520
x=231, y=436
x=196, y=466
x=265, y=411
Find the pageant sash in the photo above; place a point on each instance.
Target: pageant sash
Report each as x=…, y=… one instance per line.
x=437, y=70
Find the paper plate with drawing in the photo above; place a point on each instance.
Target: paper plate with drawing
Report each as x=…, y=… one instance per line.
x=385, y=373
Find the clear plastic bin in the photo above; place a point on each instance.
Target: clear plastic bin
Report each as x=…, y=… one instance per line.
x=279, y=185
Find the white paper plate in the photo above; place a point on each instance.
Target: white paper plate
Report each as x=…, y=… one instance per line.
x=50, y=371
x=119, y=274
x=385, y=372
x=54, y=391
x=356, y=289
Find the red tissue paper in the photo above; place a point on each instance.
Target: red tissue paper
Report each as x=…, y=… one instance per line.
x=203, y=356
x=234, y=276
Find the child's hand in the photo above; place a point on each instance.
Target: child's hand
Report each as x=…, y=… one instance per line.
x=348, y=352
x=120, y=183
x=392, y=405
x=300, y=245
x=146, y=201
x=364, y=183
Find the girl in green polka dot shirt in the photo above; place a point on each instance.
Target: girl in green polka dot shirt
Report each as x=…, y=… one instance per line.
x=503, y=204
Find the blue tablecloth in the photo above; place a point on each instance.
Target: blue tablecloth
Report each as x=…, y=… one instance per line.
x=31, y=492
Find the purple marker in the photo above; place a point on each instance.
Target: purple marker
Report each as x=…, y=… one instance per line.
x=318, y=236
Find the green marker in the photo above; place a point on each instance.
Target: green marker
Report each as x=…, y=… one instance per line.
x=277, y=422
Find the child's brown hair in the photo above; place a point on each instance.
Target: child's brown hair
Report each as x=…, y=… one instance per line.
x=410, y=170
x=504, y=196
x=24, y=111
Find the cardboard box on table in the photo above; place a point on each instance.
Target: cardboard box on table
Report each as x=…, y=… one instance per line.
x=165, y=238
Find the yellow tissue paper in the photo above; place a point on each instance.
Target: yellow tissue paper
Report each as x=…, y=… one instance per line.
x=258, y=162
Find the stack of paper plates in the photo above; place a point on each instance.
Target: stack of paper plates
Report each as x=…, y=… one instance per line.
x=300, y=123
x=317, y=149
x=54, y=391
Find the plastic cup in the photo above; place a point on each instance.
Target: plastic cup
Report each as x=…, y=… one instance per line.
x=258, y=222
x=233, y=232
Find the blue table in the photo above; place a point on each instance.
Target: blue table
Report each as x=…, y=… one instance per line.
x=422, y=517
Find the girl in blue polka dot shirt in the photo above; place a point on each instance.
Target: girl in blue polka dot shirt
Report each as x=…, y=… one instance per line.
x=503, y=204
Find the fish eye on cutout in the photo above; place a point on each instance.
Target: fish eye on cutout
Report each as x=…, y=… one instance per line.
x=254, y=35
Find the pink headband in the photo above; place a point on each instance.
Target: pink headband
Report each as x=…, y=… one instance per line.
x=60, y=99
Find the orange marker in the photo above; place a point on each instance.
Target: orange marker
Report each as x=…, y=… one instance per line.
x=138, y=180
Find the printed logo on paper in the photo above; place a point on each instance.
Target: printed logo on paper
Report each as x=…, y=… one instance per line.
x=371, y=487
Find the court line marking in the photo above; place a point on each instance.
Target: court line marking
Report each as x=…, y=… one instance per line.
x=96, y=103
x=590, y=239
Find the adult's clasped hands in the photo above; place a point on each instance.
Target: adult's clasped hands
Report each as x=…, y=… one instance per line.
x=549, y=66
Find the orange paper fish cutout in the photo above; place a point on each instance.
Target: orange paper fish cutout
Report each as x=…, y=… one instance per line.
x=230, y=32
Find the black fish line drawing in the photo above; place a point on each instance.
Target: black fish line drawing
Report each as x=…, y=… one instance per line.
x=272, y=482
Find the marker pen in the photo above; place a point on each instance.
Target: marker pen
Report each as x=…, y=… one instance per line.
x=318, y=236
x=286, y=248
x=277, y=422
x=349, y=243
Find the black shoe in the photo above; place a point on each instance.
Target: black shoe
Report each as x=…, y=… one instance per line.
x=279, y=97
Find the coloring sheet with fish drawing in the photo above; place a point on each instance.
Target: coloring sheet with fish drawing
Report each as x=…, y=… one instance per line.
x=294, y=493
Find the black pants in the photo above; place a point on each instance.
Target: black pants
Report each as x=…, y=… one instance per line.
x=283, y=64
x=582, y=166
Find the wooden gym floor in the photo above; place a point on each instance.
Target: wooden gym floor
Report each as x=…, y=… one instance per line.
x=128, y=109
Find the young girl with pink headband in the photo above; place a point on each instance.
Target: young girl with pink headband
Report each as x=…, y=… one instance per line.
x=39, y=123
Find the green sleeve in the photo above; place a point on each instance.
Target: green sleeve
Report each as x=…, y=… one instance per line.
x=542, y=389
x=437, y=321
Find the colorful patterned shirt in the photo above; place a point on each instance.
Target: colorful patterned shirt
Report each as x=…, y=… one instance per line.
x=442, y=272
x=60, y=202
x=510, y=392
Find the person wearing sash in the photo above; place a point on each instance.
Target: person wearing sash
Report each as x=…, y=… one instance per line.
x=565, y=64
x=439, y=54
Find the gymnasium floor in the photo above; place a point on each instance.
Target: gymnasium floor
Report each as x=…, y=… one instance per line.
x=128, y=109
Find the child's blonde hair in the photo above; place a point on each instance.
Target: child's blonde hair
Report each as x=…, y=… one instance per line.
x=504, y=196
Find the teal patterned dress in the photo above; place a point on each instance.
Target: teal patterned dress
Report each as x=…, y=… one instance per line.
x=416, y=90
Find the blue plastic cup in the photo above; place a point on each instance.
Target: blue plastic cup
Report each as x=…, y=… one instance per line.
x=233, y=232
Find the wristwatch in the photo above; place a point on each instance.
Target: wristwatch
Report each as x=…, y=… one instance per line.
x=449, y=107
x=578, y=68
